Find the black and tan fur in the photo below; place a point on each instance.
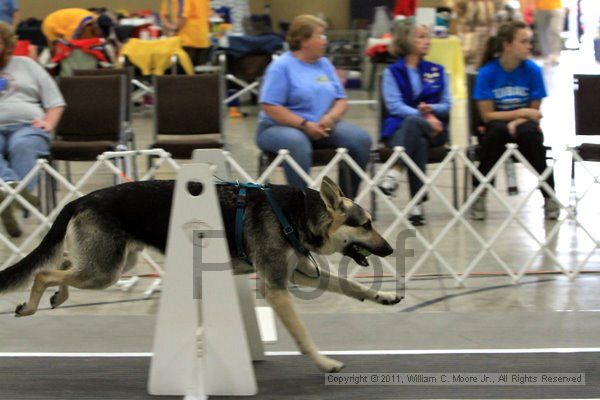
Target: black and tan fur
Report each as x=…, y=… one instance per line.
x=105, y=230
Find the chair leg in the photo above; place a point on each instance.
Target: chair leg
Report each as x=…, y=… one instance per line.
x=134, y=159
x=573, y=194
x=372, y=162
x=467, y=183
x=454, y=184
x=68, y=170
x=263, y=163
x=344, y=178
x=51, y=189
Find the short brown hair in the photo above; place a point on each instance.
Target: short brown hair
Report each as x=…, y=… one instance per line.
x=302, y=28
x=7, y=36
x=403, y=39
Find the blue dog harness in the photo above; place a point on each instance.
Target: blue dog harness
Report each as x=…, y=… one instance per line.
x=288, y=230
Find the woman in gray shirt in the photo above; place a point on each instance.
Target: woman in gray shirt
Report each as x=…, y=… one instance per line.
x=30, y=107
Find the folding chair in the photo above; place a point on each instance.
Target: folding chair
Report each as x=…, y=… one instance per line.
x=382, y=153
x=189, y=113
x=93, y=122
x=245, y=61
x=587, y=119
x=127, y=73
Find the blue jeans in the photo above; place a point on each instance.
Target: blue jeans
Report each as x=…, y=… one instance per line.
x=23, y=144
x=272, y=138
x=416, y=137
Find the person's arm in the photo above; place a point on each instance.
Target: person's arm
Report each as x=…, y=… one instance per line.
x=283, y=116
x=50, y=120
x=442, y=109
x=339, y=108
x=392, y=97
x=273, y=98
x=487, y=112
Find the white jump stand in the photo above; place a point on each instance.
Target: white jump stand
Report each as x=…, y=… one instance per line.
x=265, y=314
x=197, y=247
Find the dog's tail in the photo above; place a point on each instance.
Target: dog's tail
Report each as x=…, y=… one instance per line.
x=18, y=274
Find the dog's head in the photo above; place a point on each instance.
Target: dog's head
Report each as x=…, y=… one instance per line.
x=349, y=230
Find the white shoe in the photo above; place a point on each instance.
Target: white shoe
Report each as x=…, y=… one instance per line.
x=390, y=182
x=416, y=216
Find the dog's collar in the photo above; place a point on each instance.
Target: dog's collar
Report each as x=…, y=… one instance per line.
x=288, y=230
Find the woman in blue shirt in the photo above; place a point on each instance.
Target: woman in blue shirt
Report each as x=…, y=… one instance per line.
x=417, y=100
x=302, y=102
x=509, y=89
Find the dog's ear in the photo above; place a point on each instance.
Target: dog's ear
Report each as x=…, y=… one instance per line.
x=334, y=186
x=331, y=195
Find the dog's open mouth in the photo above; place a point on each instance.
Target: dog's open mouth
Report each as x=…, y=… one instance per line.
x=358, y=253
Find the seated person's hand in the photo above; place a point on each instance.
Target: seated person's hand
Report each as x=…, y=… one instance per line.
x=531, y=114
x=327, y=122
x=424, y=108
x=315, y=131
x=43, y=125
x=436, y=125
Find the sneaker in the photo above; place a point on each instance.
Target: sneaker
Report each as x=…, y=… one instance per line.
x=8, y=218
x=416, y=216
x=478, y=211
x=389, y=183
x=551, y=209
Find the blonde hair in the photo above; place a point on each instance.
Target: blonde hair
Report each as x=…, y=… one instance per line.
x=302, y=28
x=402, y=44
x=7, y=36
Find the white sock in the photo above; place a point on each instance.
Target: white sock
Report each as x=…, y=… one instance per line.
x=394, y=174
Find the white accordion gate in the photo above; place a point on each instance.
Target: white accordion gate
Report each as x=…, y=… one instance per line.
x=433, y=246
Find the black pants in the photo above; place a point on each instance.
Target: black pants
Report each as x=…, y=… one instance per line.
x=529, y=138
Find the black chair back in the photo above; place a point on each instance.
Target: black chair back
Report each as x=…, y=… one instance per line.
x=127, y=72
x=587, y=116
x=189, y=104
x=95, y=108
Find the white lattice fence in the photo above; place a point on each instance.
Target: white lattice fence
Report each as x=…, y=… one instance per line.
x=432, y=246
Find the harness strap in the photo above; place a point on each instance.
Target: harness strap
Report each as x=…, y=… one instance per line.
x=288, y=230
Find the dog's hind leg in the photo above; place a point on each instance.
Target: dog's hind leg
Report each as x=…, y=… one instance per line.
x=306, y=275
x=62, y=294
x=43, y=280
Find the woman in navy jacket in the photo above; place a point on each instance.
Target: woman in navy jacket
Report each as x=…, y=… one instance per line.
x=417, y=101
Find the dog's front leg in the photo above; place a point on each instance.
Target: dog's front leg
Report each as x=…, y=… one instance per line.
x=305, y=275
x=281, y=302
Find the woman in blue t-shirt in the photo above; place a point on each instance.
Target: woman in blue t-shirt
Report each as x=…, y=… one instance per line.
x=417, y=102
x=509, y=89
x=302, y=102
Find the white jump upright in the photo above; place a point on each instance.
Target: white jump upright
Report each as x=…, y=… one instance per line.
x=197, y=248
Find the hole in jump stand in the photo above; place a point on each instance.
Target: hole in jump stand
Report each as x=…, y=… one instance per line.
x=195, y=188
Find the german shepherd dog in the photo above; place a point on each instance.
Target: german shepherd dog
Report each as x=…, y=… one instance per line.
x=104, y=231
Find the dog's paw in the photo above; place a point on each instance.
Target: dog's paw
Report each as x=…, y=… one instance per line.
x=387, y=298
x=330, y=365
x=22, y=311
x=57, y=299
